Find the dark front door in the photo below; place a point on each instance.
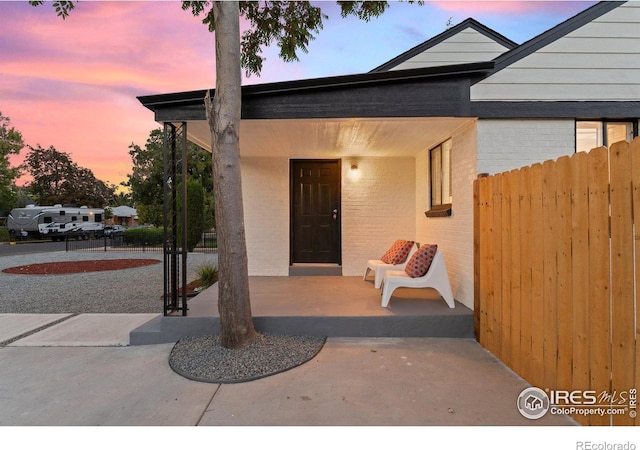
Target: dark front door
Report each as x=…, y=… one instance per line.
x=315, y=211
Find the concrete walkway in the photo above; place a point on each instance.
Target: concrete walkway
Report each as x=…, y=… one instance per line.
x=80, y=371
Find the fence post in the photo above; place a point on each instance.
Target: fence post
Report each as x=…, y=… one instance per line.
x=599, y=273
x=476, y=258
x=479, y=323
x=622, y=275
x=635, y=180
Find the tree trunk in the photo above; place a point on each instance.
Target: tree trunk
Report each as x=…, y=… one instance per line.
x=223, y=113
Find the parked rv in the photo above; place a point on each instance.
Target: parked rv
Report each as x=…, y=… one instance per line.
x=55, y=222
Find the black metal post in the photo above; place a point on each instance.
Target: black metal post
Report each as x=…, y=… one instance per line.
x=174, y=136
x=167, y=241
x=184, y=218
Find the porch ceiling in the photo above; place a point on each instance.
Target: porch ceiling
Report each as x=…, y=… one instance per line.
x=335, y=138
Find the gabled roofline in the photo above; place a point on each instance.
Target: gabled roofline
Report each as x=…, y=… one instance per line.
x=555, y=33
x=398, y=76
x=468, y=23
x=473, y=70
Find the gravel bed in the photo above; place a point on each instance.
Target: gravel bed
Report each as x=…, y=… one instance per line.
x=203, y=359
x=137, y=290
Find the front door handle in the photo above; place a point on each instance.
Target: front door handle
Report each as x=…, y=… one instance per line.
x=335, y=213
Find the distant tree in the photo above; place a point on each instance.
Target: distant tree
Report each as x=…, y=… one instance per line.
x=108, y=214
x=150, y=214
x=57, y=179
x=10, y=144
x=146, y=179
x=90, y=191
x=122, y=199
x=199, y=169
x=195, y=214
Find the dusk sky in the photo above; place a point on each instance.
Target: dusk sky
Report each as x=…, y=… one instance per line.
x=73, y=83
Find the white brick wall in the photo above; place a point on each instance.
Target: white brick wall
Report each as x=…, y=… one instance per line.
x=377, y=209
x=454, y=235
x=510, y=144
x=265, y=192
x=389, y=200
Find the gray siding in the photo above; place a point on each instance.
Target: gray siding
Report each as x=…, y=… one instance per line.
x=597, y=62
x=468, y=46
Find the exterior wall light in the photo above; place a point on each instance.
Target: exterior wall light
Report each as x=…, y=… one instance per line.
x=354, y=174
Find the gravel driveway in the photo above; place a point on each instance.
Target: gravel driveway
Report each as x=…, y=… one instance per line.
x=136, y=290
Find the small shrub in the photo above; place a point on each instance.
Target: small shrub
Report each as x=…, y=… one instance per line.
x=4, y=234
x=207, y=274
x=195, y=214
x=143, y=236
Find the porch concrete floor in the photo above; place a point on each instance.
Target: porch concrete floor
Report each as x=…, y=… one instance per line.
x=339, y=306
x=327, y=296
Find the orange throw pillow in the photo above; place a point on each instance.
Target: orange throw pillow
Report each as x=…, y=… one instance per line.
x=398, y=252
x=421, y=260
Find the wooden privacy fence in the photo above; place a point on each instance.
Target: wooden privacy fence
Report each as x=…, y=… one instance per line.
x=557, y=268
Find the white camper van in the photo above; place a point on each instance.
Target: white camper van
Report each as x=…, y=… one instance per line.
x=55, y=222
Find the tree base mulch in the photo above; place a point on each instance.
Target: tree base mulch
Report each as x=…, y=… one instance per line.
x=204, y=359
x=68, y=267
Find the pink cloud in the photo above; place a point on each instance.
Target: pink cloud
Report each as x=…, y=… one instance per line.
x=107, y=43
x=73, y=83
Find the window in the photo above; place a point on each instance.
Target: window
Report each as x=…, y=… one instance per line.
x=85, y=218
x=440, y=163
x=591, y=134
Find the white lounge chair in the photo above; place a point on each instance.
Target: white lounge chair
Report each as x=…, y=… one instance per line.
x=380, y=268
x=436, y=278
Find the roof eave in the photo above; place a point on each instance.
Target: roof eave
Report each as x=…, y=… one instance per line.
x=190, y=98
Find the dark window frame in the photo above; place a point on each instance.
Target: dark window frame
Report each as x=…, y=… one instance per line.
x=440, y=199
x=635, y=122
